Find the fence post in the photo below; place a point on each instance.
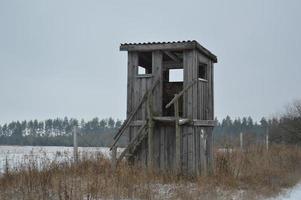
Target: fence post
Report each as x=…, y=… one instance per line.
x=267, y=139
x=75, y=147
x=241, y=141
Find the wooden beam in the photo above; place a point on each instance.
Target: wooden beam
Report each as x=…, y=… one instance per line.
x=204, y=123
x=138, y=123
x=172, y=56
x=172, y=65
x=157, y=57
x=144, y=76
x=182, y=121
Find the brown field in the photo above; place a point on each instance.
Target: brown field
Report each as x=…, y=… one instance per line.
x=250, y=174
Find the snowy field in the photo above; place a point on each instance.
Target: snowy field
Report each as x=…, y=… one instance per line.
x=15, y=155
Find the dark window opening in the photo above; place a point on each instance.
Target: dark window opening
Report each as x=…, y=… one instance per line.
x=144, y=63
x=173, y=84
x=202, y=72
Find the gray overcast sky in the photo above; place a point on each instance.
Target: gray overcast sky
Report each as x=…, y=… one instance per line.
x=61, y=58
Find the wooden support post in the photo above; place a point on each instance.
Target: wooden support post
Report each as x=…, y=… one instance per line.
x=178, y=136
x=267, y=139
x=75, y=146
x=150, y=138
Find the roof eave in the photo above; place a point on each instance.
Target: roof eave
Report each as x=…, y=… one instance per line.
x=172, y=46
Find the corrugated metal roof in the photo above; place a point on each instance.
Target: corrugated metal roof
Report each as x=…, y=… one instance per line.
x=170, y=42
x=173, y=45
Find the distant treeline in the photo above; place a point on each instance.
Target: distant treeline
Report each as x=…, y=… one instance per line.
x=284, y=129
x=59, y=132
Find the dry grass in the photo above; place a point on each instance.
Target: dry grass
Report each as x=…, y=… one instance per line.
x=242, y=175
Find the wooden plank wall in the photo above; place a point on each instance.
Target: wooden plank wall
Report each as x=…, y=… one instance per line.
x=193, y=158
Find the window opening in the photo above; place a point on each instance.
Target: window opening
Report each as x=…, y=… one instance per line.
x=141, y=70
x=176, y=75
x=202, y=71
x=144, y=63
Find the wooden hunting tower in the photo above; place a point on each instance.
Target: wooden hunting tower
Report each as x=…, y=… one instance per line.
x=170, y=106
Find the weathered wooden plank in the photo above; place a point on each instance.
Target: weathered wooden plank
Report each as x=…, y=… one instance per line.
x=204, y=123
x=156, y=147
x=172, y=65
x=202, y=151
x=194, y=88
x=210, y=160
x=172, y=148
x=138, y=96
x=197, y=140
x=143, y=89
x=188, y=64
x=144, y=76
x=185, y=149
x=178, y=137
x=172, y=56
x=185, y=82
x=150, y=137
x=169, y=151
x=132, y=71
x=189, y=151
x=209, y=92
x=212, y=91
x=162, y=147
x=137, y=123
x=158, y=74
x=201, y=102
x=193, y=150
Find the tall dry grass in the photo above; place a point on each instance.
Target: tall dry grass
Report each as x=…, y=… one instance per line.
x=238, y=174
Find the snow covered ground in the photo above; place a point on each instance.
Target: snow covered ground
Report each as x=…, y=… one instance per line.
x=290, y=194
x=15, y=155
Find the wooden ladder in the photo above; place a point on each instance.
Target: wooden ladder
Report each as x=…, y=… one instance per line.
x=142, y=132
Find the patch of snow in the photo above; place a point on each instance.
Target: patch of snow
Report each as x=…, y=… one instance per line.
x=290, y=194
